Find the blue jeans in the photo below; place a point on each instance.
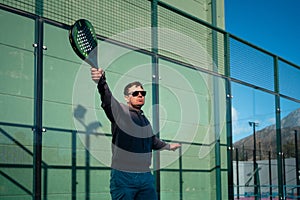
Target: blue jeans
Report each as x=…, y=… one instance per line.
x=132, y=186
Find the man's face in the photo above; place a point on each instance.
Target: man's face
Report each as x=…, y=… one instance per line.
x=135, y=99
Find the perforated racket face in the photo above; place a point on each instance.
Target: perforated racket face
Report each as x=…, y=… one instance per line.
x=84, y=41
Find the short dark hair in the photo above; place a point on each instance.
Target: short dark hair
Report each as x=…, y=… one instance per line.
x=135, y=83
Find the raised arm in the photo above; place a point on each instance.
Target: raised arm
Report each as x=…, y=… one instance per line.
x=107, y=99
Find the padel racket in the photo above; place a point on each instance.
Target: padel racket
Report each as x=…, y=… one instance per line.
x=83, y=40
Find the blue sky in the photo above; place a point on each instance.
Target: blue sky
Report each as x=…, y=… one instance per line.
x=273, y=25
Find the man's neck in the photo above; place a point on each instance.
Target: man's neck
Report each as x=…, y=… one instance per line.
x=137, y=108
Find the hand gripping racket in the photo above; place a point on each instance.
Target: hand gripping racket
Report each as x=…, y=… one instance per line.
x=83, y=40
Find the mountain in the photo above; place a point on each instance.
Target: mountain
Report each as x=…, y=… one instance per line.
x=266, y=140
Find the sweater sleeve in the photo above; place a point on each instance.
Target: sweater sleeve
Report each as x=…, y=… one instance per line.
x=158, y=144
x=107, y=99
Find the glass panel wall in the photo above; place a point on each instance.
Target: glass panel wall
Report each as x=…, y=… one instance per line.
x=290, y=134
x=16, y=106
x=189, y=115
x=77, y=144
x=254, y=141
x=76, y=148
x=288, y=76
x=17, y=68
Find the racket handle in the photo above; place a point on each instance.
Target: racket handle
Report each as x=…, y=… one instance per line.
x=92, y=58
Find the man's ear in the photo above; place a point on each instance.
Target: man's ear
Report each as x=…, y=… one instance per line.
x=126, y=97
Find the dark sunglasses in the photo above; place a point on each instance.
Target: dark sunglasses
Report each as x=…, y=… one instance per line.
x=136, y=93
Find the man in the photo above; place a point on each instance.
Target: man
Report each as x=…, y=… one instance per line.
x=132, y=141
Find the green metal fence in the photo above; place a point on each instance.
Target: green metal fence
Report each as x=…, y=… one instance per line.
x=55, y=140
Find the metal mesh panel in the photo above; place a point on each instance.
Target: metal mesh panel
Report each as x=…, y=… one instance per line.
x=251, y=65
x=129, y=21
x=220, y=53
x=186, y=37
x=187, y=40
x=110, y=18
x=289, y=77
x=28, y=6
